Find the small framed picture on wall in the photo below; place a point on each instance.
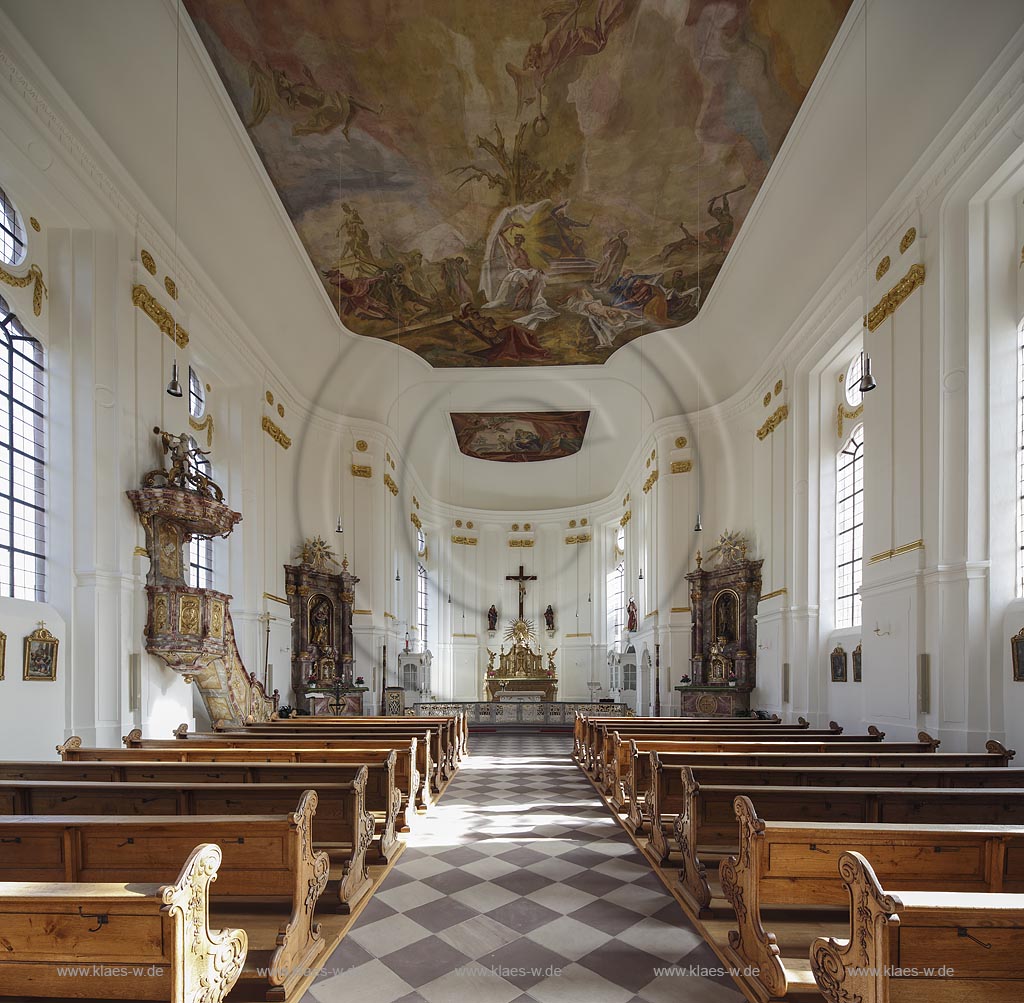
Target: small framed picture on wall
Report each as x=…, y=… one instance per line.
x=858, y=665
x=41, y=655
x=3, y=653
x=837, y=663
x=1017, y=651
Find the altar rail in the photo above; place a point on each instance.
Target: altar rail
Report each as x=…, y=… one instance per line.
x=538, y=712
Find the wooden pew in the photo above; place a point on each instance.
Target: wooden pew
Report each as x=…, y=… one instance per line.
x=793, y=864
x=340, y=827
x=268, y=860
x=943, y=947
x=455, y=726
x=584, y=724
x=429, y=770
x=706, y=821
x=382, y=795
x=640, y=777
x=592, y=752
x=617, y=748
x=161, y=930
x=438, y=733
x=415, y=790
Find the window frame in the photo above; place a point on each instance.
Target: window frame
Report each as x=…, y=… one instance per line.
x=849, y=516
x=195, y=381
x=24, y=403
x=201, y=565
x=12, y=232
x=422, y=604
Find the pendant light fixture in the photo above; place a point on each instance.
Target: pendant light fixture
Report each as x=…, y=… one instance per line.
x=339, y=529
x=867, y=381
x=174, y=386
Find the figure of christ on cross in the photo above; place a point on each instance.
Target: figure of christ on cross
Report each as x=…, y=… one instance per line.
x=522, y=579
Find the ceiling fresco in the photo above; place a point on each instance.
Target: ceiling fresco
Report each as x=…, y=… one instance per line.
x=517, y=436
x=517, y=184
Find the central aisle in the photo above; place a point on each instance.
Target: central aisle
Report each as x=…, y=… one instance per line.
x=519, y=886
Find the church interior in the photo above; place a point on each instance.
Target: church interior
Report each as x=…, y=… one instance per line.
x=517, y=502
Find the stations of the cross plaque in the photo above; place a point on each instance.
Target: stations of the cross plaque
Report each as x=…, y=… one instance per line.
x=522, y=579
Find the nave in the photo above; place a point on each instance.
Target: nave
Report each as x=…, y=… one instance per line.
x=517, y=872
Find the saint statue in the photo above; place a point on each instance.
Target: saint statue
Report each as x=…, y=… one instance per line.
x=631, y=616
x=321, y=627
x=549, y=617
x=492, y=617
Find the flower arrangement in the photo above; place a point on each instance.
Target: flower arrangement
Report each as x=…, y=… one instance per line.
x=685, y=680
x=360, y=681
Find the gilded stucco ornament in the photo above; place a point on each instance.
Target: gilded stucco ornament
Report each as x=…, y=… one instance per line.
x=361, y=470
x=361, y=445
x=205, y=425
x=682, y=466
x=908, y=238
x=33, y=277
x=681, y=442
x=773, y=422
x=147, y=261
x=316, y=553
x=883, y=267
x=894, y=298
x=171, y=286
x=276, y=433
x=159, y=315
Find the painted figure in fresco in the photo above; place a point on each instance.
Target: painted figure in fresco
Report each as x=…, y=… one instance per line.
x=511, y=343
x=355, y=295
x=564, y=38
x=455, y=274
x=612, y=257
x=327, y=111
x=641, y=295
x=631, y=616
x=571, y=243
x=525, y=441
x=549, y=618
x=522, y=287
x=606, y=322
x=492, y=622
x=686, y=240
x=404, y=301
x=357, y=237
x=719, y=234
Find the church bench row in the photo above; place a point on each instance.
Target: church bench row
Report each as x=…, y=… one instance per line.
x=602, y=747
x=586, y=744
x=414, y=787
x=104, y=930
x=926, y=943
x=433, y=770
x=457, y=726
x=617, y=749
x=785, y=866
x=443, y=732
x=639, y=779
x=706, y=821
x=270, y=878
x=340, y=827
x=383, y=799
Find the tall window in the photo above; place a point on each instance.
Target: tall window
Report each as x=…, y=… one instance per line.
x=1020, y=461
x=629, y=676
x=849, y=529
x=616, y=584
x=421, y=605
x=22, y=462
x=200, y=549
x=196, y=395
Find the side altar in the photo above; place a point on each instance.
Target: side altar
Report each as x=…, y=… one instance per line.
x=520, y=669
x=723, y=638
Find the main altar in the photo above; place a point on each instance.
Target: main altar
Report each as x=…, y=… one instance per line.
x=520, y=669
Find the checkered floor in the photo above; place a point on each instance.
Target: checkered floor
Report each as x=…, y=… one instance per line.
x=519, y=886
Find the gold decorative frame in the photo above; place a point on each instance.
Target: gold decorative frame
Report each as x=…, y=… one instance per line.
x=40, y=655
x=1017, y=651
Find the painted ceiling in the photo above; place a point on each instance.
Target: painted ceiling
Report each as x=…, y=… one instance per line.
x=517, y=436
x=518, y=184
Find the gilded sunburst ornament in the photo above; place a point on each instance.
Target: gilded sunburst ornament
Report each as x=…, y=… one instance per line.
x=317, y=554
x=730, y=548
x=520, y=632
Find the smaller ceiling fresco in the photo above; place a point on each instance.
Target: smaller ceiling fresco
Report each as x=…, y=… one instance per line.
x=518, y=436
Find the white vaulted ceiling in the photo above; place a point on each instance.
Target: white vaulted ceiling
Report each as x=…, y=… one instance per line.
x=114, y=61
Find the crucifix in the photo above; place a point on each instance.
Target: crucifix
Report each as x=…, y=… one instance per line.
x=522, y=579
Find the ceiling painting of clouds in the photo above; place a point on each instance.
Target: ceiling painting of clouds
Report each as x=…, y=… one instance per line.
x=517, y=436
x=515, y=183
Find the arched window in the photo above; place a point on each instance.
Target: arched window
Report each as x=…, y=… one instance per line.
x=200, y=548
x=421, y=604
x=12, y=233
x=196, y=395
x=851, y=384
x=849, y=529
x=616, y=586
x=22, y=460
